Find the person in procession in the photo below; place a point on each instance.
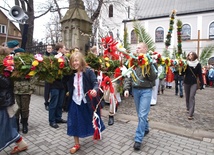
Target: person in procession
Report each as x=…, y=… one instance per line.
x=83, y=101
x=142, y=93
x=191, y=74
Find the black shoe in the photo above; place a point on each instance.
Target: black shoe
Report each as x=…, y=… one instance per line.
x=137, y=146
x=146, y=133
x=181, y=96
x=24, y=125
x=111, y=120
x=54, y=125
x=61, y=121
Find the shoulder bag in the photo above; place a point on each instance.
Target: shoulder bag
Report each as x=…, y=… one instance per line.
x=197, y=79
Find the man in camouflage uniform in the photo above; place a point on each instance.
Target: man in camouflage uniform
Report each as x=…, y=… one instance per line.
x=23, y=88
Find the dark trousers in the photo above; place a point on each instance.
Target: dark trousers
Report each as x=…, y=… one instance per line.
x=46, y=93
x=55, y=106
x=179, y=87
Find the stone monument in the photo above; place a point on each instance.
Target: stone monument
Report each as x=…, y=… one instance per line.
x=76, y=26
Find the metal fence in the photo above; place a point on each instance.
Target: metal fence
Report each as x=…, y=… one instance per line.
x=41, y=49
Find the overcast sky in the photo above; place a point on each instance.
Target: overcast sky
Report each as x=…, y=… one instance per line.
x=39, y=27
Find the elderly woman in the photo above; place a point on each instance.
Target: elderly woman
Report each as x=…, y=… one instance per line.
x=190, y=82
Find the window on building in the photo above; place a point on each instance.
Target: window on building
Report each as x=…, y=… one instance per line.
x=186, y=32
x=3, y=29
x=110, y=11
x=211, y=31
x=159, y=35
x=134, y=39
x=128, y=11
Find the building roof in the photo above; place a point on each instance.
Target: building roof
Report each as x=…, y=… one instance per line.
x=6, y=13
x=161, y=8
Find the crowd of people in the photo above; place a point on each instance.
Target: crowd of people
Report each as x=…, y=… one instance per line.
x=79, y=94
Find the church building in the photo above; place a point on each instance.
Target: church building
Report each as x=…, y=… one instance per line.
x=197, y=19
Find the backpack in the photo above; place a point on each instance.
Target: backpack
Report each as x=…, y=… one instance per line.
x=211, y=74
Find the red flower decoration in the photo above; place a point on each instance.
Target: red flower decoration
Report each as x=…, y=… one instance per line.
x=180, y=63
x=107, y=84
x=33, y=68
x=61, y=65
x=6, y=74
x=27, y=76
x=141, y=60
x=109, y=45
x=117, y=72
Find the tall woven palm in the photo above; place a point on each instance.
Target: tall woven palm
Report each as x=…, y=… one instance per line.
x=143, y=36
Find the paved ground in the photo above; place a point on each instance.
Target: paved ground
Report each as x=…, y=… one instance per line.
x=171, y=110
x=171, y=133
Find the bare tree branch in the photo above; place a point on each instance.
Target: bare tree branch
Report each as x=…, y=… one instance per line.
x=44, y=13
x=58, y=10
x=97, y=12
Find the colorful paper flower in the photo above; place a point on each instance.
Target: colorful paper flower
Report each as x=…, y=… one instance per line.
x=107, y=84
x=38, y=57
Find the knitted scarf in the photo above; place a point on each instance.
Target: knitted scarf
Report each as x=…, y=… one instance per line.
x=193, y=63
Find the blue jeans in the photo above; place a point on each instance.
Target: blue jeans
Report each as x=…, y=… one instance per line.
x=55, y=106
x=142, y=99
x=179, y=83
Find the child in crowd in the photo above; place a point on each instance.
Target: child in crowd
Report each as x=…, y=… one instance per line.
x=83, y=88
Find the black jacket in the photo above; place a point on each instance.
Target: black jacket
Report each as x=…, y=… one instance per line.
x=6, y=92
x=189, y=77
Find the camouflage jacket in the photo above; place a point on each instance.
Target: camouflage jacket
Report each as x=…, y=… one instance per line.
x=24, y=86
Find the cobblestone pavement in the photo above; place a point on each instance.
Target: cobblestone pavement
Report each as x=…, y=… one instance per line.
x=119, y=138
x=171, y=109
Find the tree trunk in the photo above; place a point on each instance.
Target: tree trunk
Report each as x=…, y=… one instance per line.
x=97, y=12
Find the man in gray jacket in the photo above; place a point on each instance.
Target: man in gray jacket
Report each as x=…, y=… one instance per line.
x=141, y=85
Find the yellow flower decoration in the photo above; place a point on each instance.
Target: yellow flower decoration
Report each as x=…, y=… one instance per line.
x=32, y=73
x=35, y=63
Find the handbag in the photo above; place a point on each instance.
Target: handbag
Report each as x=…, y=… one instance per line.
x=197, y=80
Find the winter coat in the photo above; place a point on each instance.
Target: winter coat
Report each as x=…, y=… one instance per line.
x=6, y=92
x=189, y=77
x=24, y=86
x=142, y=82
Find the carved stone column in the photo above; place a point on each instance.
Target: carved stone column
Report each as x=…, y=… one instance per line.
x=75, y=23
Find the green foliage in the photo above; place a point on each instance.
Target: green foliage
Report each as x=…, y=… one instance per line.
x=125, y=40
x=104, y=64
x=22, y=65
x=166, y=53
x=93, y=61
x=169, y=34
x=48, y=69
x=144, y=36
x=184, y=55
x=179, y=27
x=206, y=54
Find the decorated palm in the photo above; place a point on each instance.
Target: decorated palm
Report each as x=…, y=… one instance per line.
x=206, y=54
x=144, y=36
